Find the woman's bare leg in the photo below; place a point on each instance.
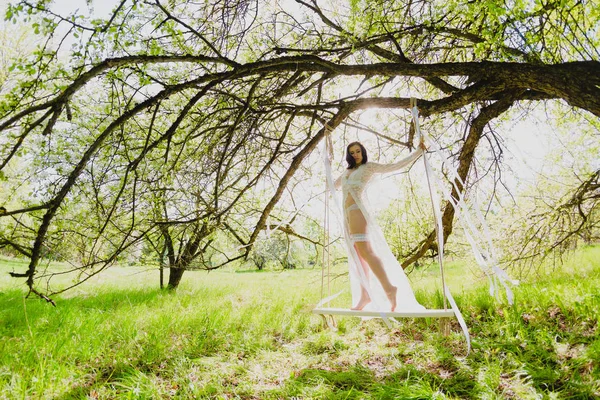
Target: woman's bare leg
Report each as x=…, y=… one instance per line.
x=358, y=224
x=364, y=295
x=365, y=251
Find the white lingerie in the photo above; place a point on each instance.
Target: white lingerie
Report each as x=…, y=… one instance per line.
x=352, y=207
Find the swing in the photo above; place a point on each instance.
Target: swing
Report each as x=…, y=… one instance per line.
x=485, y=259
x=387, y=314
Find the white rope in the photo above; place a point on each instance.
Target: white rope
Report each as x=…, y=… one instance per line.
x=485, y=256
x=459, y=317
x=326, y=259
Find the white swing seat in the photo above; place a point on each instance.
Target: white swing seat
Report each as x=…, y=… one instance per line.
x=385, y=314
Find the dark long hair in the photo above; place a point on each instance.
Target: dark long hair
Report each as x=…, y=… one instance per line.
x=350, y=160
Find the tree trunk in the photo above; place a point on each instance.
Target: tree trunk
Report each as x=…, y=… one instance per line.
x=175, y=275
x=161, y=278
x=161, y=267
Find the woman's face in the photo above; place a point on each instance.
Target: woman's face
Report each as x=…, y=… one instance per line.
x=356, y=153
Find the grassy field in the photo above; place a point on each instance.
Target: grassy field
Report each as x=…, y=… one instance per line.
x=251, y=335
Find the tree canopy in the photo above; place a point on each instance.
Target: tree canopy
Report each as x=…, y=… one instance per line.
x=160, y=120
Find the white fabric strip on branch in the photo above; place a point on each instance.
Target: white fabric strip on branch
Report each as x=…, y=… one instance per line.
x=329, y=299
x=485, y=253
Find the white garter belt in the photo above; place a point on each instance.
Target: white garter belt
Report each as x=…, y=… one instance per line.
x=358, y=237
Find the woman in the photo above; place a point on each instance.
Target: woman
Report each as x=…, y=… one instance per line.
x=367, y=248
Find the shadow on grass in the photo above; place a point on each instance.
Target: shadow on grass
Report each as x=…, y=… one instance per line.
x=13, y=306
x=107, y=298
x=115, y=375
x=360, y=382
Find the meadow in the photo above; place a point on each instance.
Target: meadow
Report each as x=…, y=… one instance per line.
x=251, y=335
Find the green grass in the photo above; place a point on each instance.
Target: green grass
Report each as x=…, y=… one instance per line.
x=251, y=335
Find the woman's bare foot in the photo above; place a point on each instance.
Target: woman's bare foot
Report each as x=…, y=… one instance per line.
x=391, y=295
x=364, y=300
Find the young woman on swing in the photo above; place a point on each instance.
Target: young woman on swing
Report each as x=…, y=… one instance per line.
x=367, y=248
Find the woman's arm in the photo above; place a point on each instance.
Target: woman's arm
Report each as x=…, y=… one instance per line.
x=383, y=168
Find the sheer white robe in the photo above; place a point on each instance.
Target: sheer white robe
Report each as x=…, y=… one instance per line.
x=353, y=183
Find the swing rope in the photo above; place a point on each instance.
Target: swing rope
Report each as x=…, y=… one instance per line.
x=326, y=258
x=420, y=137
x=439, y=229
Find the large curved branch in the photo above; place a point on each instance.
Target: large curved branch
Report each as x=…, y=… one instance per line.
x=576, y=82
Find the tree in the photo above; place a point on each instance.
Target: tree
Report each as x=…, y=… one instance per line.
x=559, y=209
x=240, y=90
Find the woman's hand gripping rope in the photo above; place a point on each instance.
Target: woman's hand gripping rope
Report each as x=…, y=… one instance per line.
x=422, y=143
